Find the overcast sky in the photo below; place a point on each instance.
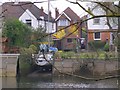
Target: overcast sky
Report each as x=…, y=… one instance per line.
x=60, y=4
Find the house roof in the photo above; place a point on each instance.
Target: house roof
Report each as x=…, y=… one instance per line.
x=16, y=10
x=69, y=14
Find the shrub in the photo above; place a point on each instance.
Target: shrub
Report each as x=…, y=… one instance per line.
x=96, y=45
x=26, y=61
x=106, y=47
x=57, y=55
x=66, y=55
x=34, y=48
x=70, y=54
x=63, y=55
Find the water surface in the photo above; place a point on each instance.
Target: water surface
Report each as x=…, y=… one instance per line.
x=48, y=81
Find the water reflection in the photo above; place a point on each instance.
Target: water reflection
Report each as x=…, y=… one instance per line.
x=9, y=82
x=48, y=81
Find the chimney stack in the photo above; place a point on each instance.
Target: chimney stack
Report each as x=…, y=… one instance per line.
x=42, y=9
x=56, y=12
x=50, y=13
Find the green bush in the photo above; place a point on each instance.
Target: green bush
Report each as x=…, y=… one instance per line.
x=34, y=48
x=25, y=60
x=70, y=54
x=66, y=55
x=63, y=55
x=96, y=45
x=106, y=47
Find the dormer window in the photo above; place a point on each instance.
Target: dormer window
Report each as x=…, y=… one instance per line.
x=63, y=22
x=29, y=22
x=96, y=21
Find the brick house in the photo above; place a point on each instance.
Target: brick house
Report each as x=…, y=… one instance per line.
x=67, y=17
x=98, y=29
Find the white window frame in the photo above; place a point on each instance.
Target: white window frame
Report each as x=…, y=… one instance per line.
x=29, y=21
x=96, y=38
x=65, y=20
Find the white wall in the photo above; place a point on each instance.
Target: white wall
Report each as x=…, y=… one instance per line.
x=51, y=27
x=102, y=25
x=28, y=15
x=35, y=23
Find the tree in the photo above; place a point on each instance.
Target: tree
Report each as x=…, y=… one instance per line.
x=110, y=8
x=17, y=32
x=39, y=35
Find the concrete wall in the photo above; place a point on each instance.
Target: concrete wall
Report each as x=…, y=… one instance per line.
x=96, y=67
x=66, y=66
x=102, y=67
x=8, y=66
x=10, y=82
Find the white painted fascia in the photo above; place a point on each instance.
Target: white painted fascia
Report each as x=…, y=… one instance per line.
x=29, y=13
x=61, y=15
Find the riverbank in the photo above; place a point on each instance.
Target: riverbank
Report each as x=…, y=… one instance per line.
x=87, y=67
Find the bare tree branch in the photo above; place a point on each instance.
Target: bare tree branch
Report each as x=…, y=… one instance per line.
x=108, y=8
x=111, y=15
x=89, y=12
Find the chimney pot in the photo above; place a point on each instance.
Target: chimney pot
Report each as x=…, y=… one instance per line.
x=42, y=9
x=56, y=12
x=50, y=13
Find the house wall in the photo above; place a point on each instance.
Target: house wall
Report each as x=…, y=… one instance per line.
x=28, y=15
x=52, y=27
x=104, y=36
x=36, y=23
x=102, y=26
x=68, y=45
x=63, y=20
x=90, y=36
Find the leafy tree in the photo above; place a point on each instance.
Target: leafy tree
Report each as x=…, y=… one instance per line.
x=39, y=35
x=18, y=33
x=25, y=59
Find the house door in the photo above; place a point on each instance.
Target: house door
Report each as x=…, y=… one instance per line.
x=57, y=43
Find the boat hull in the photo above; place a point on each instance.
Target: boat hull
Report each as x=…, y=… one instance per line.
x=45, y=68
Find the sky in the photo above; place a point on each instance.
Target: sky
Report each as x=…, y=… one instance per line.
x=60, y=4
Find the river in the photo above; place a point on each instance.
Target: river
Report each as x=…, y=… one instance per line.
x=46, y=80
